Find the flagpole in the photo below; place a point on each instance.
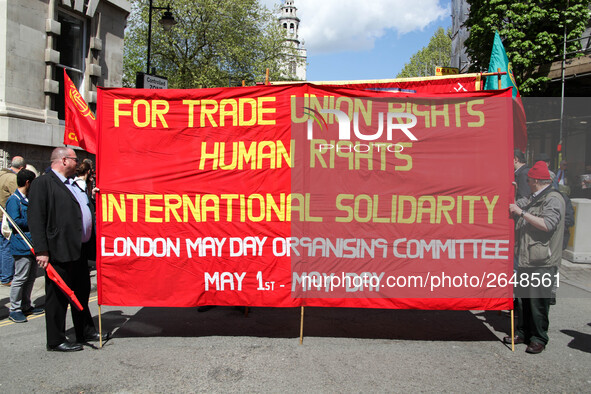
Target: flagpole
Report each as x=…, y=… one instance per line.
x=562, y=88
x=512, y=330
x=100, y=327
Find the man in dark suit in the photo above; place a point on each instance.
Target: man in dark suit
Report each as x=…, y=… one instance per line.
x=61, y=220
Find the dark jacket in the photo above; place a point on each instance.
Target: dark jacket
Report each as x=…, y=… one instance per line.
x=17, y=207
x=523, y=189
x=55, y=219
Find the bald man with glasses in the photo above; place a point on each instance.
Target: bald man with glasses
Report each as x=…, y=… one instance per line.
x=61, y=220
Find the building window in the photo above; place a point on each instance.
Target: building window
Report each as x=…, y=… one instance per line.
x=72, y=45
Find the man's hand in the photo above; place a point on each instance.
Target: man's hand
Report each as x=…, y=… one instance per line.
x=515, y=210
x=43, y=259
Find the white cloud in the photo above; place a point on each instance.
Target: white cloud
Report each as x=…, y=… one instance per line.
x=330, y=26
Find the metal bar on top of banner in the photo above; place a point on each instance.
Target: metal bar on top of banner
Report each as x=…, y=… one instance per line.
x=477, y=76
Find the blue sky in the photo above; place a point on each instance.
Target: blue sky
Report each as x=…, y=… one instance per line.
x=371, y=39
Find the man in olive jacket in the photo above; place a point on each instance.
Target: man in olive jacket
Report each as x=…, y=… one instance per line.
x=538, y=246
x=61, y=221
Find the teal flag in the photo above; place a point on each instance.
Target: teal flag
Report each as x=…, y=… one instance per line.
x=499, y=59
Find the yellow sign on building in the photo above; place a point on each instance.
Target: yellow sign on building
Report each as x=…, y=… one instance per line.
x=446, y=70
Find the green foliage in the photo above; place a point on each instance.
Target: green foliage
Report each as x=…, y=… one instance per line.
x=436, y=53
x=215, y=43
x=532, y=33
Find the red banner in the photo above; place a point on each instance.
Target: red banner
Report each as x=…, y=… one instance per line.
x=304, y=195
x=80, y=129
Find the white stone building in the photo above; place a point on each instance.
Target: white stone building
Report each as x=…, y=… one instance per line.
x=38, y=40
x=296, y=67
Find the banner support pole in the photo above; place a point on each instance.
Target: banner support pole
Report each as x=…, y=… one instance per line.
x=100, y=327
x=302, y=326
x=499, y=78
x=512, y=331
x=513, y=309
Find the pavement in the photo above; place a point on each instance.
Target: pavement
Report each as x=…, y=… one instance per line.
x=348, y=350
x=576, y=274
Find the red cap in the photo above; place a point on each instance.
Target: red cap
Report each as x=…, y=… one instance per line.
x=539, y=171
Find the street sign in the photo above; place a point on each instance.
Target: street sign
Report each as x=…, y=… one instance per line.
x=446, y=70
x=148, y=81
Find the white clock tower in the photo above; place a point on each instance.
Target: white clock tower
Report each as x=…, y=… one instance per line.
x=296, y=67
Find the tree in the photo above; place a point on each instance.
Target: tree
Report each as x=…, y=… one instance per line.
x=532, y=32
x=436, y=53
x=215, y=43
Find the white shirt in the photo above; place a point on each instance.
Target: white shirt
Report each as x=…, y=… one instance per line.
x=82, y=199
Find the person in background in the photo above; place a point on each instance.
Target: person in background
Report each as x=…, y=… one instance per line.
x=92, y=176
x=560, y=182
x=24, y=259
x=83, y=178
x=521, y=169
x=7, y=187
x=32, y=169
x=582, y=188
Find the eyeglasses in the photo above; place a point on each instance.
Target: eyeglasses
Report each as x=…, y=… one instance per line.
x=72, y=158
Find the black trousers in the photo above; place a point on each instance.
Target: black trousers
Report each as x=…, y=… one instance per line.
x=77, y=277
x=532, y=320
x=534, y=303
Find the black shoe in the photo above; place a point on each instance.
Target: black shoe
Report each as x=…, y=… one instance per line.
x=96, y=337
x=65, y=347
x=205, y=308
x=535, y=348
x=34, y=311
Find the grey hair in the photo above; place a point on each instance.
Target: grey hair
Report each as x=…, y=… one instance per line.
x=544, y=181
x=18, y=162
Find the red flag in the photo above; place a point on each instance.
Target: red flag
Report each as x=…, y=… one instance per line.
x=54, y=276
x=80, y=122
